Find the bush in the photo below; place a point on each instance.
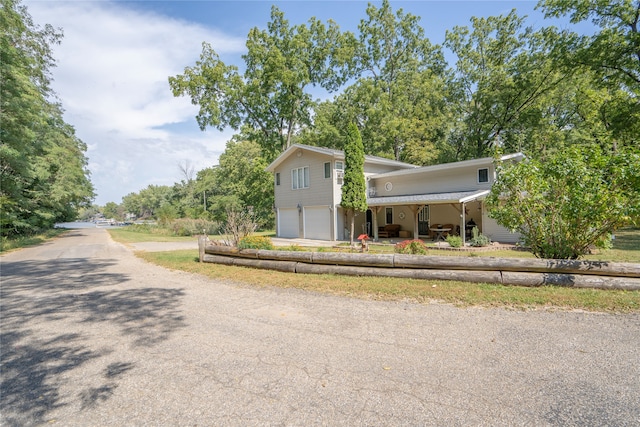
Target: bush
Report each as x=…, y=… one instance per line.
x=191, y=227
x=454, y=241
x=255, y=242
x=479, y=239
x=411, y=247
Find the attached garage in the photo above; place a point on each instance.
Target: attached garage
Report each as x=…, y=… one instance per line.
x=317, y=222
x=288, y=223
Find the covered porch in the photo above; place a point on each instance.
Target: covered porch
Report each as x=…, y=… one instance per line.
x=426, y=216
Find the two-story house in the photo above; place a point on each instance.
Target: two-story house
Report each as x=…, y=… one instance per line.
x=308, y=181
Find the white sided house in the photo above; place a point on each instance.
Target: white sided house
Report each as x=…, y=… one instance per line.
x=414, y=201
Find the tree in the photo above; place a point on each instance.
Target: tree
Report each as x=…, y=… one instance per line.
x=354, y=188
x=242, y=182
x=43, y=175
x=399, y=97
x=271, y=99
x=614, y=51
x=568, y=201
x=504, y=76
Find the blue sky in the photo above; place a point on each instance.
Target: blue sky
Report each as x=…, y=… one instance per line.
x=116, y=56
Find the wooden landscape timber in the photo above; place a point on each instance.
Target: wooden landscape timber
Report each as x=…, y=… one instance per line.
x=507, y=271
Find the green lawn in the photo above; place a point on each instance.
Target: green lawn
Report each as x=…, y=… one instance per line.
x=626, y=248
x=421, y=291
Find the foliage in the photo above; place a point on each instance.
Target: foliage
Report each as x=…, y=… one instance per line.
x=43, y=175
x=569, y=201
x=271, y=98
x=415, y=247
x=145, y=203
x=354, y=188
x=193, y=227
x=454, y=241
x=255, y=242
x=478, y=239
x=614, y=52
x=243, y=183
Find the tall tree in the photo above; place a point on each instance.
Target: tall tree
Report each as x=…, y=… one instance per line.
x=271, y=99
x=615, y=50
x=503, y=72
x=354, y=187
x=43, y=175
x=242, y=181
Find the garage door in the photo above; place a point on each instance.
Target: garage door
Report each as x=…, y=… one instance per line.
x=317, y=223
x=288, y=222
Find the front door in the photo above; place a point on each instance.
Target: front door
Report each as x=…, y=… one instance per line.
x=369, y=223
x=423, y=221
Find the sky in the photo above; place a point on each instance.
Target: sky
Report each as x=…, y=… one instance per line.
x=115, y=59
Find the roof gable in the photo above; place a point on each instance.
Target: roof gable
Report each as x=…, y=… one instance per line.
x=334, y=154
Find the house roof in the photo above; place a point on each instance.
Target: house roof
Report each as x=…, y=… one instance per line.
x=431, y=198
x=336, y=154
x=448, y=166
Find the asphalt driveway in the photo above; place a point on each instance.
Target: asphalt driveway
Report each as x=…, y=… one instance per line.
x=93, y=336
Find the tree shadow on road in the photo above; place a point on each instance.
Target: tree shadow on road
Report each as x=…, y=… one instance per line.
x=59, y=317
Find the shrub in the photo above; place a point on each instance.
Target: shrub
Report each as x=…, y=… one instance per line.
x=191, y=227
x=454, y=241
x=411, y=247
x=479, y=239
x=255, y=242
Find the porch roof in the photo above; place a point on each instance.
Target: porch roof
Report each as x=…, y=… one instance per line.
x=426, y=199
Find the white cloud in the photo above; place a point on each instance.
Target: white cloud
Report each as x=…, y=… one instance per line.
x=112, y=79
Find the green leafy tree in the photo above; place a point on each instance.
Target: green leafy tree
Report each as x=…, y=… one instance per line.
x=614, y=52
x=242, y=183
x=503, y=79
x=43, y=175
x=354, y=188
x=398, y=99
x=271, y=99
x=145, y=203
x=568, y=201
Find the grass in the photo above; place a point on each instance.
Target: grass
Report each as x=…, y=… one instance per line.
x=123, y=235
x=421, y=291
x=9, y=244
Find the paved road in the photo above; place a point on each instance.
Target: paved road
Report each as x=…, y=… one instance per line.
x=92, y=336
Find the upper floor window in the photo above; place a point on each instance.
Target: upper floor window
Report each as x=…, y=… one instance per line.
x=300, y=178
x=277, y=178
x=327, y=170
x=483, y=175
x=339, y=165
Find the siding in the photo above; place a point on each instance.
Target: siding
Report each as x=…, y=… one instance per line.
x=432, y=182
x=320, y=188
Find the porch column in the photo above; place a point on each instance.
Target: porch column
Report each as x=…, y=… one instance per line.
x=416, y=211
x=375, y=210
x=463, y=226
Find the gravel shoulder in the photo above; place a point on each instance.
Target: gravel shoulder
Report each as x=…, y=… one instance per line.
x=93, y=336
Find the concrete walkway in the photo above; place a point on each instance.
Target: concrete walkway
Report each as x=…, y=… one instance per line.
x=93, y=336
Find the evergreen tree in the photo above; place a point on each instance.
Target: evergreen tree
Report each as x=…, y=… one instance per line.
x=354, y=189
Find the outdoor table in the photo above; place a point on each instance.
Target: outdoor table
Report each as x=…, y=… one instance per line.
x=439, y=233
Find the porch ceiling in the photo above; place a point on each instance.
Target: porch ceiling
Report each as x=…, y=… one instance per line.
x=428, y=199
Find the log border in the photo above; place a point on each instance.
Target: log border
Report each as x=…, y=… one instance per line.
x=506, y=271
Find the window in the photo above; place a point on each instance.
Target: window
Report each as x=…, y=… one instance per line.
x=277, y=178
x=339, y=172
x=327, y=170
x=300, y=178
x=388, y=214
x=483, y=175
